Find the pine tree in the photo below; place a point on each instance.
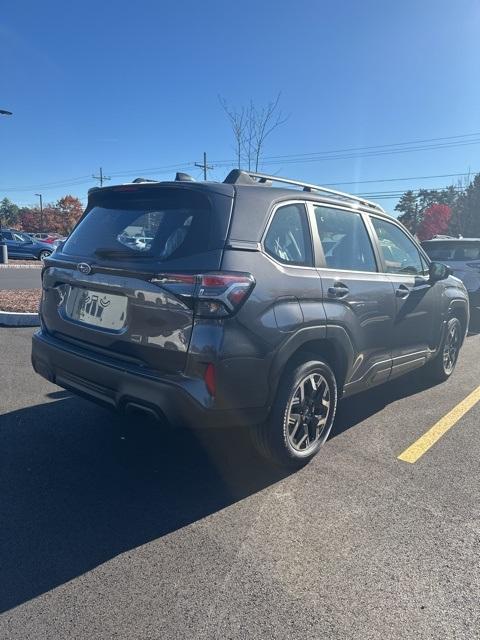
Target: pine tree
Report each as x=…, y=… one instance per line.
x=408, y=206
x=466, y=211
x=8, y=213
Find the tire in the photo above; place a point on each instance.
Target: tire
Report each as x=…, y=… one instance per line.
x=44, y=254
x=443, y=365
x=296, y=430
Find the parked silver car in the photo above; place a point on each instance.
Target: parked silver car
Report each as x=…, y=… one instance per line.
x=462, y=255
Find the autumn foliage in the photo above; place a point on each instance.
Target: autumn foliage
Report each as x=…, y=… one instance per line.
x=59, y=217
x=435, y=221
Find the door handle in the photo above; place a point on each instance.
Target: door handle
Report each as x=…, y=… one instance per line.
x=338, y=290
x=402, y=291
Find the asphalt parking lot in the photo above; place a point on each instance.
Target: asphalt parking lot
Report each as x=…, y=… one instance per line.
x=19, y=278
x=117, y=530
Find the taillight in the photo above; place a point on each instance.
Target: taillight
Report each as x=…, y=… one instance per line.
x=209, y=378
x=210, y=295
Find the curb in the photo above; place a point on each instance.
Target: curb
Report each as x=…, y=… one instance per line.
x=17, y=319
x=20, y=266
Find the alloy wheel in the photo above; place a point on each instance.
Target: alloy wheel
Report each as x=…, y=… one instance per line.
x=308, y=412
x=451, y=348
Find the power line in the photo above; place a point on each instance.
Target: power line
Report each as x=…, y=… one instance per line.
x=369, y=151
x=380, y=146
x=440, y=175
x=369, y=154
x=149, y=170
x=380, y=195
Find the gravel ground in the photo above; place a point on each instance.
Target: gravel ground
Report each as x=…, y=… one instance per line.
x=23, y=300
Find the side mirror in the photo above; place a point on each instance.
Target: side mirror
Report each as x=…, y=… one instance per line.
x=438, y=271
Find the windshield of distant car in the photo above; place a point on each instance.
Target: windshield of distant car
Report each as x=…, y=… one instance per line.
x=21, y=237
x=453, y=251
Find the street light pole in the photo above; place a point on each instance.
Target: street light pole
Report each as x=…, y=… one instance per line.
x=41, y=210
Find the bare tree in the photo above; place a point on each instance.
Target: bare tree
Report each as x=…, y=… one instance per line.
x=251, y=126
x=237, y=121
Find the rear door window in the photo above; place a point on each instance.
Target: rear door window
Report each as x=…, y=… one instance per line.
x=344, y=239
x=171, y=225
x=288, y=236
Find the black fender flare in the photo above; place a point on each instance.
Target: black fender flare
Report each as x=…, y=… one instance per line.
x=335, y=335
x=460, y=304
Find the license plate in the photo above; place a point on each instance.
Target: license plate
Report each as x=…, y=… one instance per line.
x=98, y=309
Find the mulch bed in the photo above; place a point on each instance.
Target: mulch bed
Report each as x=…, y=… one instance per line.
x=21, y=300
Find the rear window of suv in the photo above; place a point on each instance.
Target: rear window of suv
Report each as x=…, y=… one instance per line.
x=452, y=251
x=170, y=225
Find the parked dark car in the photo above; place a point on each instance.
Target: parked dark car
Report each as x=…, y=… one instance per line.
x=21, y=245
x=462, y=255
x=247, y=304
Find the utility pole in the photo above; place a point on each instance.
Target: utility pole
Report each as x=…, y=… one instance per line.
x=206, y=167
x=41, y=210
x=101, y=178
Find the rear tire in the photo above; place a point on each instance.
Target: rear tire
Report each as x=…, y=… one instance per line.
x=301, y=417
x=44, y=254
x=443, y=365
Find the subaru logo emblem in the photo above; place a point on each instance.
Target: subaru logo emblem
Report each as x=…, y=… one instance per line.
x=84, y=268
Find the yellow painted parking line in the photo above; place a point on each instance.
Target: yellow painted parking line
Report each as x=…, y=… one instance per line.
x=423, y=444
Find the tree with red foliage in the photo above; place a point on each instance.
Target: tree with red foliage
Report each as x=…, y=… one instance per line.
x=59, y=217
x=68, y=211
x=435, y=221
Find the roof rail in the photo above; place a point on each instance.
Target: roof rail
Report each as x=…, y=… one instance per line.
x=264, y=178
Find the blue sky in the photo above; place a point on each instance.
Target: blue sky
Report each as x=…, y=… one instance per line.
x=134, y=85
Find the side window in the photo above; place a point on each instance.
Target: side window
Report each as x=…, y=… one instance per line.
x=7, y=235
x=288, y=237
x=345, y=240
x=399, y=252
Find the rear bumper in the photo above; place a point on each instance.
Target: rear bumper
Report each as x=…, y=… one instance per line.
x=180, y=400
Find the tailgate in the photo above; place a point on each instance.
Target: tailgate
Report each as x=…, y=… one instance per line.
x=122, y=316
x=97, y=287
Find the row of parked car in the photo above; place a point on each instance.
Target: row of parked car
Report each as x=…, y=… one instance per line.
x=34, y=246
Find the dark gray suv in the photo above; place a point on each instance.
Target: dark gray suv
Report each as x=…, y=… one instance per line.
x=242, y=303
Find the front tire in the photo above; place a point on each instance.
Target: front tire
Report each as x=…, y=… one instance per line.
x=301, y=417
x=443, y=365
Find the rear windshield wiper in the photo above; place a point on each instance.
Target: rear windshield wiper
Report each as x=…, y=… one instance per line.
x=118, y=253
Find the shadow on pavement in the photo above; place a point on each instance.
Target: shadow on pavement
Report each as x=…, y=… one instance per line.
x=359, y=407
x=80, y=486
